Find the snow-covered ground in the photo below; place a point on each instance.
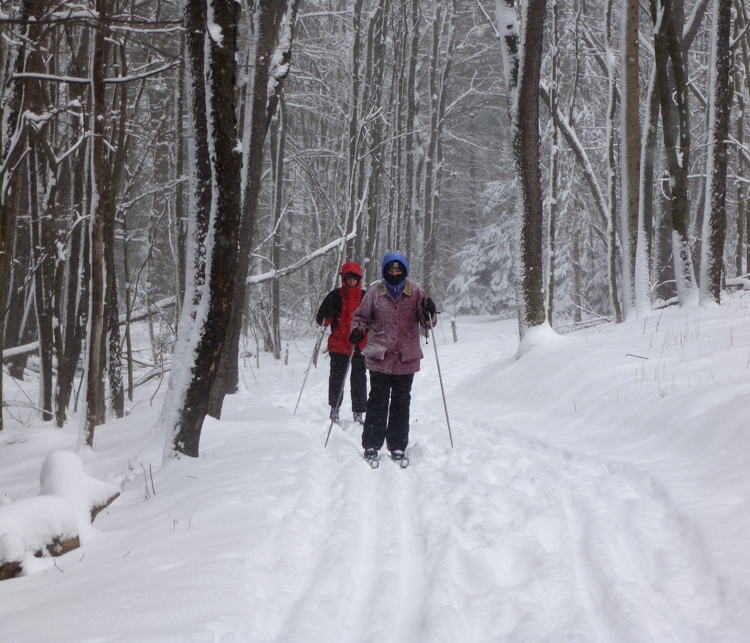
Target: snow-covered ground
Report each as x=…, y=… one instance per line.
x=599, y=490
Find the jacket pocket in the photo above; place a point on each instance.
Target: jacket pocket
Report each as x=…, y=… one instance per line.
x=411, y=351
x=375, y=347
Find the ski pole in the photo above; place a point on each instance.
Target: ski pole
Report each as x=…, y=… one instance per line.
x=341, y=393
x=315, y=350
x=440, y=377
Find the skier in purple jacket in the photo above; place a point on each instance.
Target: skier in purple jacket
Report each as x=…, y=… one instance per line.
x=391, y=314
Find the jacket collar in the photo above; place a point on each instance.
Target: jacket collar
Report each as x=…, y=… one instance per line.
x=406, y=291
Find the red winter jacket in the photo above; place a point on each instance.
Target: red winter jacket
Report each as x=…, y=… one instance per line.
x=337, y=310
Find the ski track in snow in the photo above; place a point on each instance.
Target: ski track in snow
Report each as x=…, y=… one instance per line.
x=368, y=575
x=535, y=528
x=537, y=543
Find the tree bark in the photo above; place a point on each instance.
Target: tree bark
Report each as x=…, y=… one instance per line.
x=274, y=24
x=277, y=141
x=554, y=170
x=669, y=54
x=631, y=153
x=522, y=80
x=614, y=295
x=213, y=315
x=15, y=103
x=94, y=398
x=715, y=218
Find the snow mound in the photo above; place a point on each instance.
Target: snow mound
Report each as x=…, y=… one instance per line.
x=37, y=525
x=63, y=475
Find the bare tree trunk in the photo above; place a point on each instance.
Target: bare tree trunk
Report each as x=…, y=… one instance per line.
x=742, y=92
x=274, y=27
x=12, y=139
x=277, y=143
x=675, y=113
x=643, y=277
x=438, y=81
x=94, y=397
x=76, y=310
x=577, y=277
x=612, y=272
x=379, y=35
x=187, y=401
x=43, y=276
x=116, y=167
x=715, y=218
x=412, y=109
x=179, y=204
x=631, y=152
x=73, y=309
x=522, y=80
x=741, y=189
x=355, y=125
x=553, y=163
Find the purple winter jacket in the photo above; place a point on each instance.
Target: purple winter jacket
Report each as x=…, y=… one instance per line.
x=392, y=327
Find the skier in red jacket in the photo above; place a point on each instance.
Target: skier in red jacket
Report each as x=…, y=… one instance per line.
x=337, y=310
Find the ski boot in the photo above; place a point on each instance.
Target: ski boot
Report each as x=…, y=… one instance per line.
x=371, y=457
x=399, y=458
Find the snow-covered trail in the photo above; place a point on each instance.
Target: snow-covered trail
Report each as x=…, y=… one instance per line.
x=507, y=537
x=597, y=492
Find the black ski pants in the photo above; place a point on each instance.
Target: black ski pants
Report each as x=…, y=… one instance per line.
x=357, y=377
x=387, y=417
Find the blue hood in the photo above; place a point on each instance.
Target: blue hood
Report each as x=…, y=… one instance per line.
x=393, y=256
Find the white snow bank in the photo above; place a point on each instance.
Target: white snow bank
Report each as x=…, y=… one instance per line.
x=37, y=522
x=63, y=475
x=52, y=523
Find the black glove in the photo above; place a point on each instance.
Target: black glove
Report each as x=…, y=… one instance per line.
x=428, y=308
x=356, y=336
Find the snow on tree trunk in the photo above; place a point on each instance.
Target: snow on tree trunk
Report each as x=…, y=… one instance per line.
x=212, y=44
x=94, y=389
x=521, y=58
x=715, y=214
x=268, y=59
x=642, y=272
x=675, y=113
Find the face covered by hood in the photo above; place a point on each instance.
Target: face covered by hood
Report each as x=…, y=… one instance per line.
x=395, y=283
x=353, y=267
x=395, y=257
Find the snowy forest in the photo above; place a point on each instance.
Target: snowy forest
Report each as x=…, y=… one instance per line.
x=206, y=167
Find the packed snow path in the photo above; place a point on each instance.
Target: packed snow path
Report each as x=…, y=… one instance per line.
x=597, y=491
x=507, y=537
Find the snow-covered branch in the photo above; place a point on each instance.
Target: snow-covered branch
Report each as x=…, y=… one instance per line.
x=85, y=81
x=274, y=274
